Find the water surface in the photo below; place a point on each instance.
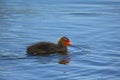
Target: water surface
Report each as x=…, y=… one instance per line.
x=93, y=27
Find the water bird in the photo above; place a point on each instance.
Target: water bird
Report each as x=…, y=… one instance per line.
x=44, y=48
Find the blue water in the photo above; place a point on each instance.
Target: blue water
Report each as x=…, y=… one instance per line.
x=93, y=26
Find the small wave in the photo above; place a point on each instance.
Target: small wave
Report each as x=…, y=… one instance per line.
x=84, y=14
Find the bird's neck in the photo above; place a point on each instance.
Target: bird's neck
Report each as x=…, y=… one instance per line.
x=62, y=49
x=61, y=44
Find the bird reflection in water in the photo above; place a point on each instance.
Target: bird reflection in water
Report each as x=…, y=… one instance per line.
x=45, y=59
x=65, y=59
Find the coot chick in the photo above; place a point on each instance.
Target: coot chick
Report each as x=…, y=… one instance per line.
x=44, y=48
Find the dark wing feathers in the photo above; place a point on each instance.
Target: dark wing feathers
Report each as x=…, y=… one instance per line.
x=42, y=47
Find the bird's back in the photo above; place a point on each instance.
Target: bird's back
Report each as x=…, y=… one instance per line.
x=42, y=48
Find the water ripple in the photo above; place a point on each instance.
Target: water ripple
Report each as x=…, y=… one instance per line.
x=92, y=26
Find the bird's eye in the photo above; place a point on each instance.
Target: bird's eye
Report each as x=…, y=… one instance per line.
x=67, y=40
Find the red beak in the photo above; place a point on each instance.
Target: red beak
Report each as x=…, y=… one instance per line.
x=68, y=43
